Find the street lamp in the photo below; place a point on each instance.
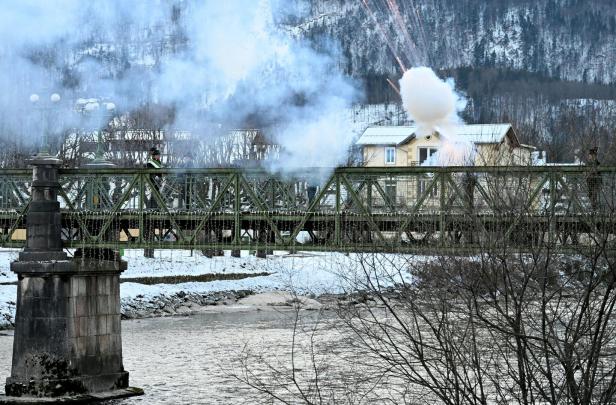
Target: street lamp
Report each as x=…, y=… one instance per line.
x=54, y=99
x=92, y=106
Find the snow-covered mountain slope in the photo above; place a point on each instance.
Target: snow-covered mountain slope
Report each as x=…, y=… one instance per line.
x=566, y=39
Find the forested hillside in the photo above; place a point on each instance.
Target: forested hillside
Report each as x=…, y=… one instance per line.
x=546, y=65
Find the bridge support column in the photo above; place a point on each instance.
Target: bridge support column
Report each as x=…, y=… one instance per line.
x=67, y=332
x=262, y=239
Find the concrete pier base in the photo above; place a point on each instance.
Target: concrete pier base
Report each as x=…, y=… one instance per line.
x=76, y=399
x=67, y=328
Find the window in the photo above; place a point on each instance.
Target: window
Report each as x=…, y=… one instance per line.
x=390, y=155
x=425, y=153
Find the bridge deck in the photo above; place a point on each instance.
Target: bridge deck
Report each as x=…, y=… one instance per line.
x=414, y=209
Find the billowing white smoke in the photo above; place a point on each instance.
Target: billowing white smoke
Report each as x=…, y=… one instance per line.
x=232, y=63
x=433, y=104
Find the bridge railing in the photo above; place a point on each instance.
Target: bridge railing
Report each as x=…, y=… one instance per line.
x=339, y=208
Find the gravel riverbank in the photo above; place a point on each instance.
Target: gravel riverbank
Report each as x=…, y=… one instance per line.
x=219, y=301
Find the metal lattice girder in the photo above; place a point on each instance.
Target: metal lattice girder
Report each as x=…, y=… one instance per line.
x=383, y=208
x=14, y=203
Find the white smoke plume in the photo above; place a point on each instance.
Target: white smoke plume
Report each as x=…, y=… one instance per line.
x=229, y=64
x=434, y=105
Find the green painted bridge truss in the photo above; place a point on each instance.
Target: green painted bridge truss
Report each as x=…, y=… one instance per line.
x=410, y=209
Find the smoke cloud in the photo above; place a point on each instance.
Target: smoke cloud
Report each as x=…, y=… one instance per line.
x=433, y=104
x=215, y=64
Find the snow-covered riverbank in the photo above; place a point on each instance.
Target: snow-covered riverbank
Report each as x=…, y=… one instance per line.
x=302, y=273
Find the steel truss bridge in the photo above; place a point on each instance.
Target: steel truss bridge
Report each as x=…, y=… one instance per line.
x=401, y=209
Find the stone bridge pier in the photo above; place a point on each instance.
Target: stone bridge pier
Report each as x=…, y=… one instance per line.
x=68, y=342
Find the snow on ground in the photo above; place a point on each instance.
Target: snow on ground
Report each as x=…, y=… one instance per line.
x=8, y=297
x=308, y=276
x=310, y=267
x=6, y=257
x=308, y=272
x=303, y=273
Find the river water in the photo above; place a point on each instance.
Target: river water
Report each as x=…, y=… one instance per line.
x=190, y=360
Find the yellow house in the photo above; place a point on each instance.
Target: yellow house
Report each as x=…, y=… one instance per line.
x=399, y=146
x=494, y=144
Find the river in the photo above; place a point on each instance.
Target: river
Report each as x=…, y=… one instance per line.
x=189, y=360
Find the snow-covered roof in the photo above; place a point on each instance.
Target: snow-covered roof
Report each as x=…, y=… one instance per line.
x=383, y=135
x=483, y=133
x=479, y=133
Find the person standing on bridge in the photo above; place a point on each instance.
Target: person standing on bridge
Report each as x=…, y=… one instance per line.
x=593, y=179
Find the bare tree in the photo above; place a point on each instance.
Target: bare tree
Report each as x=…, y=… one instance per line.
x=522, y=320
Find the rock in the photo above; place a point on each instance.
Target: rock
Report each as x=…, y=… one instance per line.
x=243, y=293
x=279, y=299
x=183, y=310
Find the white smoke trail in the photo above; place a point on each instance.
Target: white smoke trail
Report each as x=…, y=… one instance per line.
x=433, y=104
